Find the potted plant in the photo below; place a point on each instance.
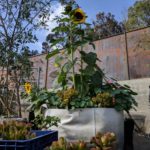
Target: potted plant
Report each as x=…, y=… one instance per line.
x=105, y=141
x=101, y=141
x=18, y=135
x=86, y=101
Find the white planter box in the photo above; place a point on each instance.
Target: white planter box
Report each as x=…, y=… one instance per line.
x=85, y=123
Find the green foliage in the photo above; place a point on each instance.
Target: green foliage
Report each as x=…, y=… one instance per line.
x=71, y=99
x=73, y=36
x=105, y=25
x=39, y=97
x=138, y=15
x=87, y=74
x=104, y=141
x=18, y=23
x=46, y=122
x=13, y=130
x=111, y=95
x=99, y=142
x=62, y=144
x=53, y=53
x=83, y=83
x=123, y=96
x=68, y=98
x=103, y=100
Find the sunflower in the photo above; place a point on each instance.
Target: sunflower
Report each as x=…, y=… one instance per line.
x=27, y=88
x=56, y=65
x=79, y=16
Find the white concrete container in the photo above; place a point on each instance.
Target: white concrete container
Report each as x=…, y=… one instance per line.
x=85, y=123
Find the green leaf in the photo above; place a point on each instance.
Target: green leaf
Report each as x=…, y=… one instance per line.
x=89, y=58
x=58, y=60
x=88, y=24
x=53, y=53
x=89, y=70
x=67, y=66
x=127, y=86
x=80, y=43
x=93, y=45
x=82, y=88
x=60, y=29
x=64, y=20
x=62, y=78
x=82, y=104
x=96, y=79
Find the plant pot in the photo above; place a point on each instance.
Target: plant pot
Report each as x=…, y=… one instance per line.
x=42, y=140
x=85, y=123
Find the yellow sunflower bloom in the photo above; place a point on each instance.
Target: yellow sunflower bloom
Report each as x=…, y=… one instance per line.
x=56, y=65
x=28, y=88
x=79, y=16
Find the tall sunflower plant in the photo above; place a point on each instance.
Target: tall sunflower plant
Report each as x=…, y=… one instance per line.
x=77, y=68
x=83, y=83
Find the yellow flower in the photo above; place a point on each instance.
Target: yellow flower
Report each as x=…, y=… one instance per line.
x=28, y=88
x=56, y=65
x=79, y=16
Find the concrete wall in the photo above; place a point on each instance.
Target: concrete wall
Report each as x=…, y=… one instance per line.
x=113, y=54
x=141, y=86
x=142, y=115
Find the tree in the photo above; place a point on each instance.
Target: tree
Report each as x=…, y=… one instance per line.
x=19, y=19
x=138, y=15
x=33, y=52
x=105, y=25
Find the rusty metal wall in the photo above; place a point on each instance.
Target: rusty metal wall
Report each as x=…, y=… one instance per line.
x=113, y=54
x=139, y=53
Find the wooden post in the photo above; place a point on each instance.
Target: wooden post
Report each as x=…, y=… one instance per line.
x=46, y=72
x=127, y=55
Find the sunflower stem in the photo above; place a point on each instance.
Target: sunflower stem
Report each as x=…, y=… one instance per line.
x=72, y=57
x=81, y=61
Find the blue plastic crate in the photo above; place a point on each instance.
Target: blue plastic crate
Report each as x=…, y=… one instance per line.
x=42, y=140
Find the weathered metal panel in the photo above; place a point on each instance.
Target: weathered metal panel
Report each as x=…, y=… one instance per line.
x=112, y=52
x=139, y=53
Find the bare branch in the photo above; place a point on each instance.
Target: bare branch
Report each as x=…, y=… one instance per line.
x=19, y=13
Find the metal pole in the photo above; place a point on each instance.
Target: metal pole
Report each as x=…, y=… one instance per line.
x=127, y=55
x=46, y=72
x=149, y=93
x=38, y=81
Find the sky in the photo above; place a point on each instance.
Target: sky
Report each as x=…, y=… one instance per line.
x=91, y=8
x=117, y=7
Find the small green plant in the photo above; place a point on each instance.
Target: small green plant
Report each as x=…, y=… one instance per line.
x=104, y=141
x=15, y=130
x=62, y=144
x=46, y=122
x=103, y=100
x=123, y=96
x=101, y=142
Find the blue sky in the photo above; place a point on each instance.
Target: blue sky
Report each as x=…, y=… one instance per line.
x=117, y=7
x=91, y=7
